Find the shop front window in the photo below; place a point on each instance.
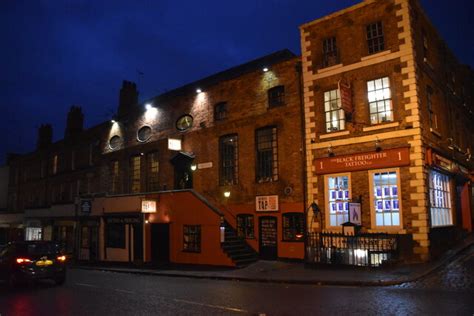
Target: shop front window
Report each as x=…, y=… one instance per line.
x=245, y=227
x=293, y=226
x=338, y=196
x=440, y=200
x=385, y=196
x=115, y=235
x=33, y=233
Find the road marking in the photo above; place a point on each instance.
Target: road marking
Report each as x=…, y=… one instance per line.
x=124, y=291
x=232, y=309
x=87, y=285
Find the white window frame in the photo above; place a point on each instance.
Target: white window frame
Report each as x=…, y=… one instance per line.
x=335, y=120
x=444, y=193
x=326, y=196
x=380, y=95
x=391, y=228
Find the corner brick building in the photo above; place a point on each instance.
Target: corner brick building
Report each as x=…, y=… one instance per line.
x=388, y=113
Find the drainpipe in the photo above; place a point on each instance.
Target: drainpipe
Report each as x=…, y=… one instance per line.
x=299, y=71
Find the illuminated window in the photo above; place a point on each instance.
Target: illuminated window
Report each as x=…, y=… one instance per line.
x=293, y=226
x=114, y=177
x=192, y=238
x=330, y=54
x=135, y=178
x=440, y=200
x=334, y=113
x=276, y=96
x=385, y=197
x=153, y=168
x=229, y=163
x=375, y=40
x=338, y=197
x=220, y=111
x=245, y=226
x=267, y=154
x=380, y=100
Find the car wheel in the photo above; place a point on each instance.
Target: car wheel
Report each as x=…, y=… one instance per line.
x=60, y=280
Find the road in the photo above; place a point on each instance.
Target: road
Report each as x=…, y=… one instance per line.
x=449, y=291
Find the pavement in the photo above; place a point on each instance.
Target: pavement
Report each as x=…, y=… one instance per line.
x=297, y=272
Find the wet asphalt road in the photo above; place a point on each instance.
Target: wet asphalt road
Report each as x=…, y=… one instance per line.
x=450, y=291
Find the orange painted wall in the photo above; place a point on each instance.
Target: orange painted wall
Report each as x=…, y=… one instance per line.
x=466, y=208
x=183, y=208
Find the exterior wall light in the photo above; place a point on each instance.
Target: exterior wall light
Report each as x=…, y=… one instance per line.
x=113, y=121
x=193, y=167
x=148, y=106
x=265, y=69
x=226, y=194
x=198, y=90
x=146, y=221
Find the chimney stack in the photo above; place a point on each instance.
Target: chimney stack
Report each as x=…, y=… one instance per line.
x=128, y=99
x=45, y=136
x=75, y=122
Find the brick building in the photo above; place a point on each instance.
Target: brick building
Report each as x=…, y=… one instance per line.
x=377, y=111
x=164, y=177
x=388, y=113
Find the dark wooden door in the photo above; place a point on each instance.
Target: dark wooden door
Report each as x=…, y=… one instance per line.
x=160, y=243
x=268, y=240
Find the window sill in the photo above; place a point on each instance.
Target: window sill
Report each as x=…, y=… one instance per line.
x=330, y=68
x=442, y=226
x=388, y=230
x=380, y=126
x=334, y=134
x=435, y=132
x=376, y=55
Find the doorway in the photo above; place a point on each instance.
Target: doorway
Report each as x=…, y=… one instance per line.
x=268, y=237
x=183, y=176
x=160, y=243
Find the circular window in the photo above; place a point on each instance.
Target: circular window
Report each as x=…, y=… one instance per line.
x=144, y=133
x=114, y=142
x=184, y=122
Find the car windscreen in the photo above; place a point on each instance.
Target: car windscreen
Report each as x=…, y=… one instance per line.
x=38, y=249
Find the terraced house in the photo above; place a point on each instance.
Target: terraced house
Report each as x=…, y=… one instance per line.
x=388, y=121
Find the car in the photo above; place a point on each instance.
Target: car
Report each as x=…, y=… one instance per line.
x=29, y=261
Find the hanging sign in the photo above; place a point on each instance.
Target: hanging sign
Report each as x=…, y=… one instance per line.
x=345, y=92
x=355, y=214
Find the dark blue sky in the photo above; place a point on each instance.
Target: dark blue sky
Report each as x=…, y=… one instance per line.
x=56, y=53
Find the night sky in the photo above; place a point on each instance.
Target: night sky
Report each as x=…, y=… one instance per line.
x=58, y=53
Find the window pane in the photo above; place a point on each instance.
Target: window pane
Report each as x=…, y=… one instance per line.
x=380, y=111
x=440, y=199
x=338, y=196
x=386, y=202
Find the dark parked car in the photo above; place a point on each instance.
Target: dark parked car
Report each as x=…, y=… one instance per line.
x=32, y=260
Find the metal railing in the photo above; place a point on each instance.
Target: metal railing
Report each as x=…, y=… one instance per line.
x=368, y=249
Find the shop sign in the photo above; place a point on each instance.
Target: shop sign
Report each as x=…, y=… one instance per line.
x=123, y=220
x=442, y=162
x=204, y=165
x=148, y=206
x=371, y=160
x=86, y=205
x=266, y=203
x=355, y=214
x=174, y=144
